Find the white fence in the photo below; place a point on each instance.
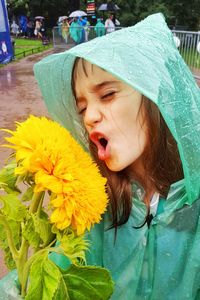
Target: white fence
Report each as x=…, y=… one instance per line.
x=89, y=34
x=187, y=42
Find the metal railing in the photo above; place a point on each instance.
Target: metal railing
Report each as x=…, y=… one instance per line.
x=66, y=41
x=30, y=51
x=187, y=42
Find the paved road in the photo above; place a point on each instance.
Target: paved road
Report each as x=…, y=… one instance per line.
x=19, y=97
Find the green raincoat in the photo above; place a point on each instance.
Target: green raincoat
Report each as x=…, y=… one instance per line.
x=162, y=261
x=99, y=28
x=75, y=31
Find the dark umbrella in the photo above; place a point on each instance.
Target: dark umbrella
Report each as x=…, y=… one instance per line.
x=108, y=7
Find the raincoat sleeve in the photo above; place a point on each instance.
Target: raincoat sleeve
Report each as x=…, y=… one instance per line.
x=94, y=255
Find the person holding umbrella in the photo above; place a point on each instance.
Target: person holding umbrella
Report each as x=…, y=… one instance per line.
x=38, y=27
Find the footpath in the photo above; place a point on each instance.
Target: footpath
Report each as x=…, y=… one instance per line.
x=19, y=97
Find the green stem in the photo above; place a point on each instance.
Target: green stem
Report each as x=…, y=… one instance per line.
x=27, y=269
x=36, y=202
x=11, y=244
x=20, y=262
x=28, y=265
x=40, y=204
x=23, y=252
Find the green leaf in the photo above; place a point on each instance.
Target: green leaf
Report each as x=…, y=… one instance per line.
x=13, y=208
x=43, y=227
x=16, y=233
x=45, y=279
x=8, y=178
x=89, y=282
x=73, y=246
x=28, y=195
x=61, y=293
x=30, y=234
x=8, y=259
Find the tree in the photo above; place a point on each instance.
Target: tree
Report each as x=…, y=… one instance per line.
x=74, y=5
x=177, y=12
x=51, y=10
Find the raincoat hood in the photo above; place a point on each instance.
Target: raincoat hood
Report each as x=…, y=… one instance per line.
x=145, y=57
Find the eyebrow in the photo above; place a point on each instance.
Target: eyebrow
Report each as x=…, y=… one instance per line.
x=99, y=87
x=103, y=84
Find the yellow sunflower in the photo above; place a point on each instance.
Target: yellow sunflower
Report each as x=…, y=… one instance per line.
x=48, y=152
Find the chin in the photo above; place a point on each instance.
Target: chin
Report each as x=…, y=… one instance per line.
x=114, y=167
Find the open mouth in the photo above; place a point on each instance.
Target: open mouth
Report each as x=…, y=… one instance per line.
x=101, y=143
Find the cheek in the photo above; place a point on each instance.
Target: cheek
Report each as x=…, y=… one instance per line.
x=85, y=126
x=142, y=140
x=135, y=140
x=140, y=132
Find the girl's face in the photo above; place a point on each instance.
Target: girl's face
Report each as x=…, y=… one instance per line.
x=112, y=115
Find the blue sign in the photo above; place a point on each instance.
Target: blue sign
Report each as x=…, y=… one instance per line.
x=6, y=51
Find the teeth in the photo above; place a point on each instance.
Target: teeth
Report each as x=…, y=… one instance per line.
x=100, y=137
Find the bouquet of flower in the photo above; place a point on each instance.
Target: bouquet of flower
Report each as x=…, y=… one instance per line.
x=62, y=196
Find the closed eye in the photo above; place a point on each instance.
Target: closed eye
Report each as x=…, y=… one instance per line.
x=81, y=111
x=108, y=95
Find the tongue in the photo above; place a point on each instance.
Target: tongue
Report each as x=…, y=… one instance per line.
x=103, y=152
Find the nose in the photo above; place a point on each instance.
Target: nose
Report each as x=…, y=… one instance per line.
x=93, y=115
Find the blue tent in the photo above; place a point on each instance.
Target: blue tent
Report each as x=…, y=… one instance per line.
x=6, y=51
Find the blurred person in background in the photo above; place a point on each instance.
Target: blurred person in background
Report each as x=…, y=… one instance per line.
x=65, y=29
x=99, y=28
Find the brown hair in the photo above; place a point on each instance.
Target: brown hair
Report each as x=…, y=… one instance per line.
x=160, y=158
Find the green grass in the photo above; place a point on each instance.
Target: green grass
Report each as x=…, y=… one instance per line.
x=27, y=43
x=25, y=47
x=191, y=57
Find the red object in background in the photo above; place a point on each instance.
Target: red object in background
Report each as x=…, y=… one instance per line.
x=91, y=7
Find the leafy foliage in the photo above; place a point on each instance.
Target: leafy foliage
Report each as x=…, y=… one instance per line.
x=13, y=208
x=28, y=234
x=16, y=233
x=88, y=283
x=8, y=179
x=177, y=12
x=44, y=279
x=47, y=281
x=72, y=246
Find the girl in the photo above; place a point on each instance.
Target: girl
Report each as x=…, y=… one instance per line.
x=136, y=106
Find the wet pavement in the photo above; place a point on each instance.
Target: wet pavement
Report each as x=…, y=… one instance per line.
x=19, y=94
x=19, y=97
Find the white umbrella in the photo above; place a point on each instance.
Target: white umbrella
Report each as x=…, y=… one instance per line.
x=109, y=7
x=39, y=17
x=62, y=18
x=77, y=13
